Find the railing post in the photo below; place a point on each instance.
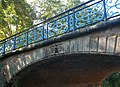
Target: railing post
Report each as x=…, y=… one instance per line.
x=104, y=8
x=4, y=47
x=27, y=38
x=47, y=29
x=34, y=35
x=14, y=43
x=43, y=31
x=68, y=22
x=74, y=19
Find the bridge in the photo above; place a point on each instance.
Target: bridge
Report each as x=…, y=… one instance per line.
x=77, y=48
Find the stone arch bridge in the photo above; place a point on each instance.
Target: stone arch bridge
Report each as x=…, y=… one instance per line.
x=79, y=58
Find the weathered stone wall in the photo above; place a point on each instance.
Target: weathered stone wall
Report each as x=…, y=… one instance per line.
x=2, y=78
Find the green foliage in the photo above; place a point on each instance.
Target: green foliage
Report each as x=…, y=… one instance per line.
x=48, y=8
x=72, y=3
x=112, y=81
x=15, y=16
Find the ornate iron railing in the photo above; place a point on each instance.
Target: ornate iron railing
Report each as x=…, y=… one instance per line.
x=84, y=15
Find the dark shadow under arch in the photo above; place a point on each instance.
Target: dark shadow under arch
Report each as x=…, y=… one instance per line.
x=70, y=69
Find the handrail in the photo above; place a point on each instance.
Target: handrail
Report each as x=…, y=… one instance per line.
x=85, y=14
x=48, y=19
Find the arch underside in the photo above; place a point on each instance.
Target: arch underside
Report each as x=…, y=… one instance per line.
x=73, y=70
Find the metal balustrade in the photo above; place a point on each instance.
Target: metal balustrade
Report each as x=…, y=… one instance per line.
x=83, y=15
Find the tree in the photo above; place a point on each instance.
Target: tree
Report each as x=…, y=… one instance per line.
x=112, y=81
x=15, y=16
x=48, y=8
x=72, y=3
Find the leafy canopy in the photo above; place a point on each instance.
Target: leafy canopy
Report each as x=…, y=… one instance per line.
x=15, y=16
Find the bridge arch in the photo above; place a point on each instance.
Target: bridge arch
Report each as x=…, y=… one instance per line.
x=66, y=69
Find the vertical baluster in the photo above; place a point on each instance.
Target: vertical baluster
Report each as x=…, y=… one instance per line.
x=47, y=30
x=74, y=19
x=14, y=46
x=104, y=8
x=43, y=31
x=68, y=22
x=27, y=43
x=34, y=34
x=4, y=47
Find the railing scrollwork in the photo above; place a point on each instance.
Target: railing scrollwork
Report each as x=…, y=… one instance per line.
x=84, y=15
